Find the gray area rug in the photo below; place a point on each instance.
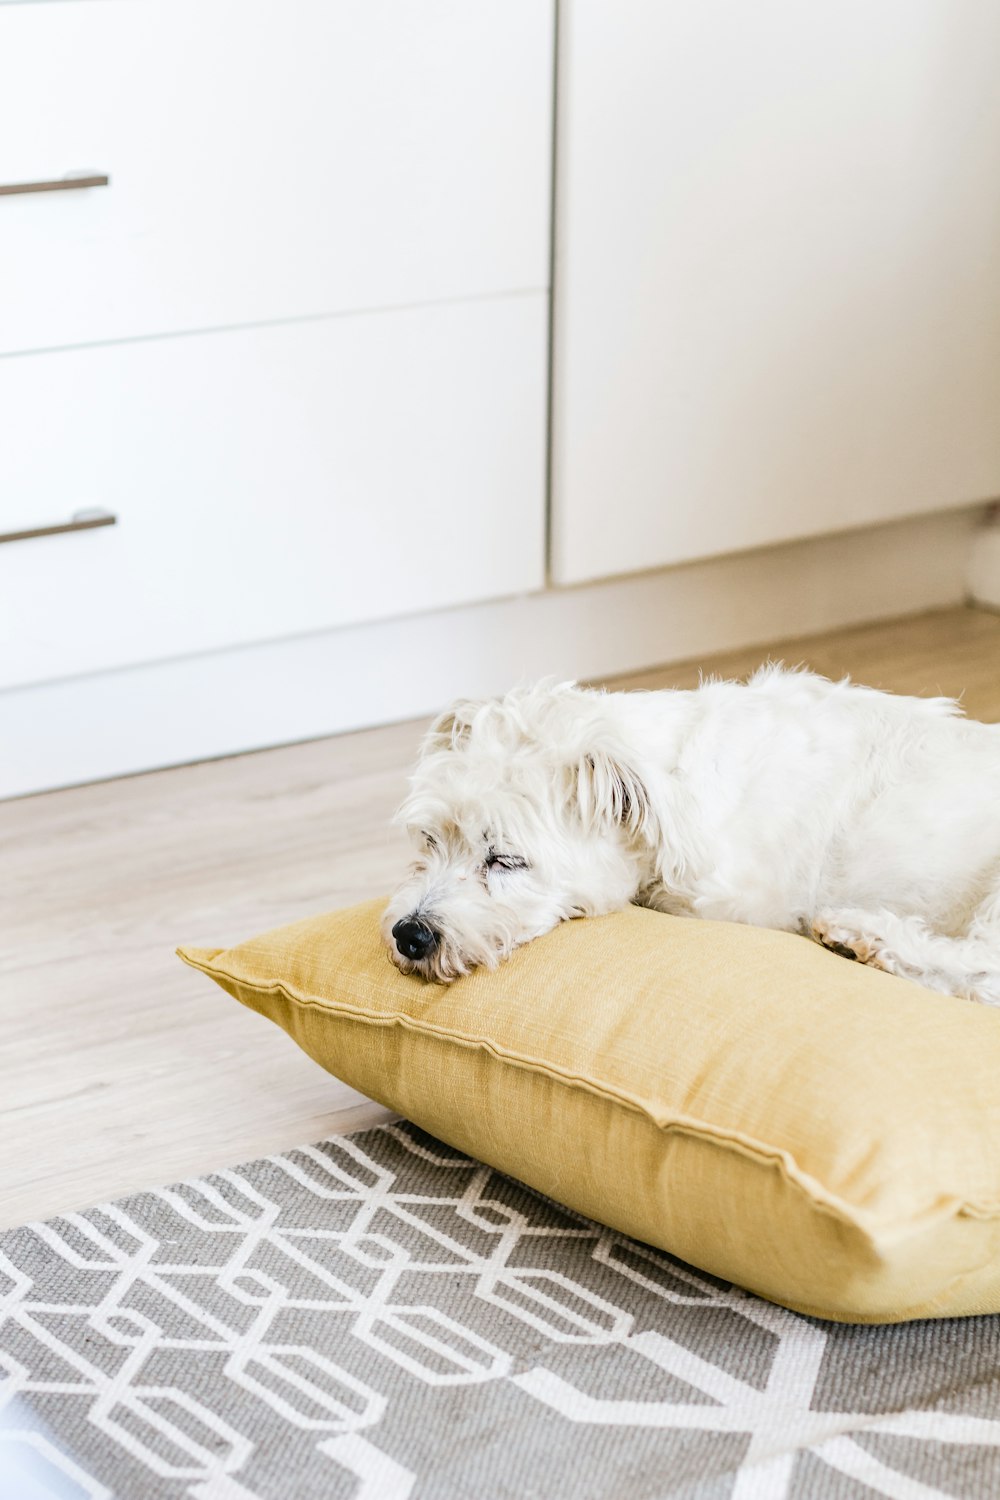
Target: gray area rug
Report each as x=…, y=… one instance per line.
x=380, y=1318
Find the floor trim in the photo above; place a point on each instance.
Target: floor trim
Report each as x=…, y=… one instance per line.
x=984, y=562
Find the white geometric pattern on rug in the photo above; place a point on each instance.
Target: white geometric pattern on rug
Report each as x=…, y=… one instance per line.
x=380, y=1318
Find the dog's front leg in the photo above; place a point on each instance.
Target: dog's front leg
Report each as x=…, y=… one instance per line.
x=906, y=946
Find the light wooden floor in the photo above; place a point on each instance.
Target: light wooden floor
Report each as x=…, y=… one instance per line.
x=120, y=1068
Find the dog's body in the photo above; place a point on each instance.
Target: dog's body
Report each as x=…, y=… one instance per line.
x=868, y=821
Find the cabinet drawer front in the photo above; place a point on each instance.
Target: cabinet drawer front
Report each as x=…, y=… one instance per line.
x=267, y=159
x=269, y=482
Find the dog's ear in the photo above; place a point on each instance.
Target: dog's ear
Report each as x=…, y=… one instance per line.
x=450, y=729
x=610, y=791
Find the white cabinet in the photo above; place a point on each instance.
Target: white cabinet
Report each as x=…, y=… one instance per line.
x=297, y=345
x=777, y=272
x=267, y=159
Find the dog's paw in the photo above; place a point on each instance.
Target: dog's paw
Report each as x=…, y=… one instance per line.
x=850, y=941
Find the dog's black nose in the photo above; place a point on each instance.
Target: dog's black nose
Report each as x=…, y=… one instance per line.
x=414, y=939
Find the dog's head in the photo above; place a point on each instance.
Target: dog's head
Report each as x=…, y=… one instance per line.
x=524, y=811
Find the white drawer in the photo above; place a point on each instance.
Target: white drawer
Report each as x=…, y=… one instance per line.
x=267, y=159
x=269, y=482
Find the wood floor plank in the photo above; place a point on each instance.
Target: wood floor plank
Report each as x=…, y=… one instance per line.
x=120, y=1067
x=955, y=653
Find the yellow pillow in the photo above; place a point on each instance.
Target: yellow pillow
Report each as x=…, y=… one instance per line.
x=825, y=1135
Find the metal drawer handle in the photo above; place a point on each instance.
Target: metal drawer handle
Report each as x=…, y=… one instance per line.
x=58, y=185
x=82, y=520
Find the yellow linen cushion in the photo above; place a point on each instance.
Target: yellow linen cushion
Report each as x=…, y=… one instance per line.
x=822, y=1134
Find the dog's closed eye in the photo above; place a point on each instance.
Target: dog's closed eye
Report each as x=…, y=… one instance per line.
x=495, y=861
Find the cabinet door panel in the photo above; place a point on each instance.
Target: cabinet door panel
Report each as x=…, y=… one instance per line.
x=267, y=159
x=270, y=481
x=778, y=290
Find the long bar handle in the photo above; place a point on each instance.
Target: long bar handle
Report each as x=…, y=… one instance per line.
x=82, y=520
x=57, y=185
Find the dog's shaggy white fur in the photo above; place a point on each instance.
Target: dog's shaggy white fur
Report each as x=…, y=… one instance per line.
x=868, y=821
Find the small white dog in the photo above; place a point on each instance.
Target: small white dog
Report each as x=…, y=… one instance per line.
x=868, y=821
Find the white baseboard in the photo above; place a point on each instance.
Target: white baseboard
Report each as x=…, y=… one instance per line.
x=200, y=707
x=984, y=562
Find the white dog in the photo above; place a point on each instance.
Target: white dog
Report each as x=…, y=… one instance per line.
x=869, y=822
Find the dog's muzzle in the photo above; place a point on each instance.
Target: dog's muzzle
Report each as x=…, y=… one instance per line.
x=413, y=939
